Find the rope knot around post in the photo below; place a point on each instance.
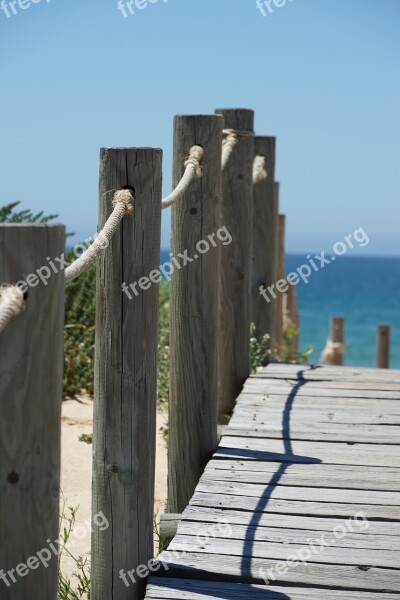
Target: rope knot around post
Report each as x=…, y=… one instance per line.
x=195, y=157
x=193, y=170
x=259, y=172
x=122, y=205
x=124, y=197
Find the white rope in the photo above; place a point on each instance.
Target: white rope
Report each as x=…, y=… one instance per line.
x=228, y=143
x=332, y=350
x=122, y=205
x=193, y=171
x=259, y=172
x=11, y=303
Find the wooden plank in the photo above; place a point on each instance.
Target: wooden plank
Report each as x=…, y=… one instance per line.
x=284, y=536
x=314, y=404
x=292, y=522
x=192, y=434
x=231, y=501
x=126, y=375
x=31, y=372
x=334, y=385
x=163, y=588
x=279, y=332
x=321, y=413
x=326, y=452
x=251, y=548
x=320, y=373
x=312, y=475
x=236, y=568
x=264, y=386
x=234, y=266
x=210, y=483
x=325, y=432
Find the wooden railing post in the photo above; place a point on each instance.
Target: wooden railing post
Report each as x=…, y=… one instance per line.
x=194, y=309
x=383, y=347
x=235, y=264
x=280, y=275
x=333, y=353
x=264, y=245
x=124, y=429
x=31, y=373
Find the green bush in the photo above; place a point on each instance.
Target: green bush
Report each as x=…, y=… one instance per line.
x=79, y=331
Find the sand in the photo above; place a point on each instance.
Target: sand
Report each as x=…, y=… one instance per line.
x=76, y=474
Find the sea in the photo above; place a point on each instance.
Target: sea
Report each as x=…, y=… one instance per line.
x=365, y=290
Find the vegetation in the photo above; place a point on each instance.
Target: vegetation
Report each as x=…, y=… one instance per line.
x=68, y=590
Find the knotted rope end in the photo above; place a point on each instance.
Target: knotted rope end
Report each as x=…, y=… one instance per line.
x=195, y=157
x=124, y=197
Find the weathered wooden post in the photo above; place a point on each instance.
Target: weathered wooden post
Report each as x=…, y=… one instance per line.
x=280, y=275
x=235, y=263
x=291, y=318
x=383, y=347
x=264, y=246
x=31, y=372
x=126, y=376
x=194, y=309
x=333, y=353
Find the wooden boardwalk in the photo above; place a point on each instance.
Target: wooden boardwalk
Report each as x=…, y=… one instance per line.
x=303, y=492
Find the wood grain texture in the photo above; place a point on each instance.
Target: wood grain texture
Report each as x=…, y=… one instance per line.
x=281, y=478
x=235, y=263
x=264, y=242
x=310, y=475
x=230, y=568
x=194, y=311
x=126, y=375
x=31, y=371
x=191, y=589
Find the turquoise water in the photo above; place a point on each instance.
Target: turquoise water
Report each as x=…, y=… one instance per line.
x=363, y=290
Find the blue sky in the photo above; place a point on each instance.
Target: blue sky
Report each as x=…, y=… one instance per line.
x=321, y=75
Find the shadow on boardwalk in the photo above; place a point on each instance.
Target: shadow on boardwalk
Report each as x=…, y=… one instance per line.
x=213, y=586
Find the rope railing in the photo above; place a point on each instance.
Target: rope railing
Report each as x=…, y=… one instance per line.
x=231, y=138
x=228, y=143
x=259, y=172
x=12, y=303
x=122, y=205
x=193, y=171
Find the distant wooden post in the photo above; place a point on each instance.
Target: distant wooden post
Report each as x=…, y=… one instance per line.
x=31, y=373
x=194, y=310
x=280, y=275
x=291, y=318
x=235, y=263
x=126, y=376
x=333, y=353
x=264, y=246
x=383, y=347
